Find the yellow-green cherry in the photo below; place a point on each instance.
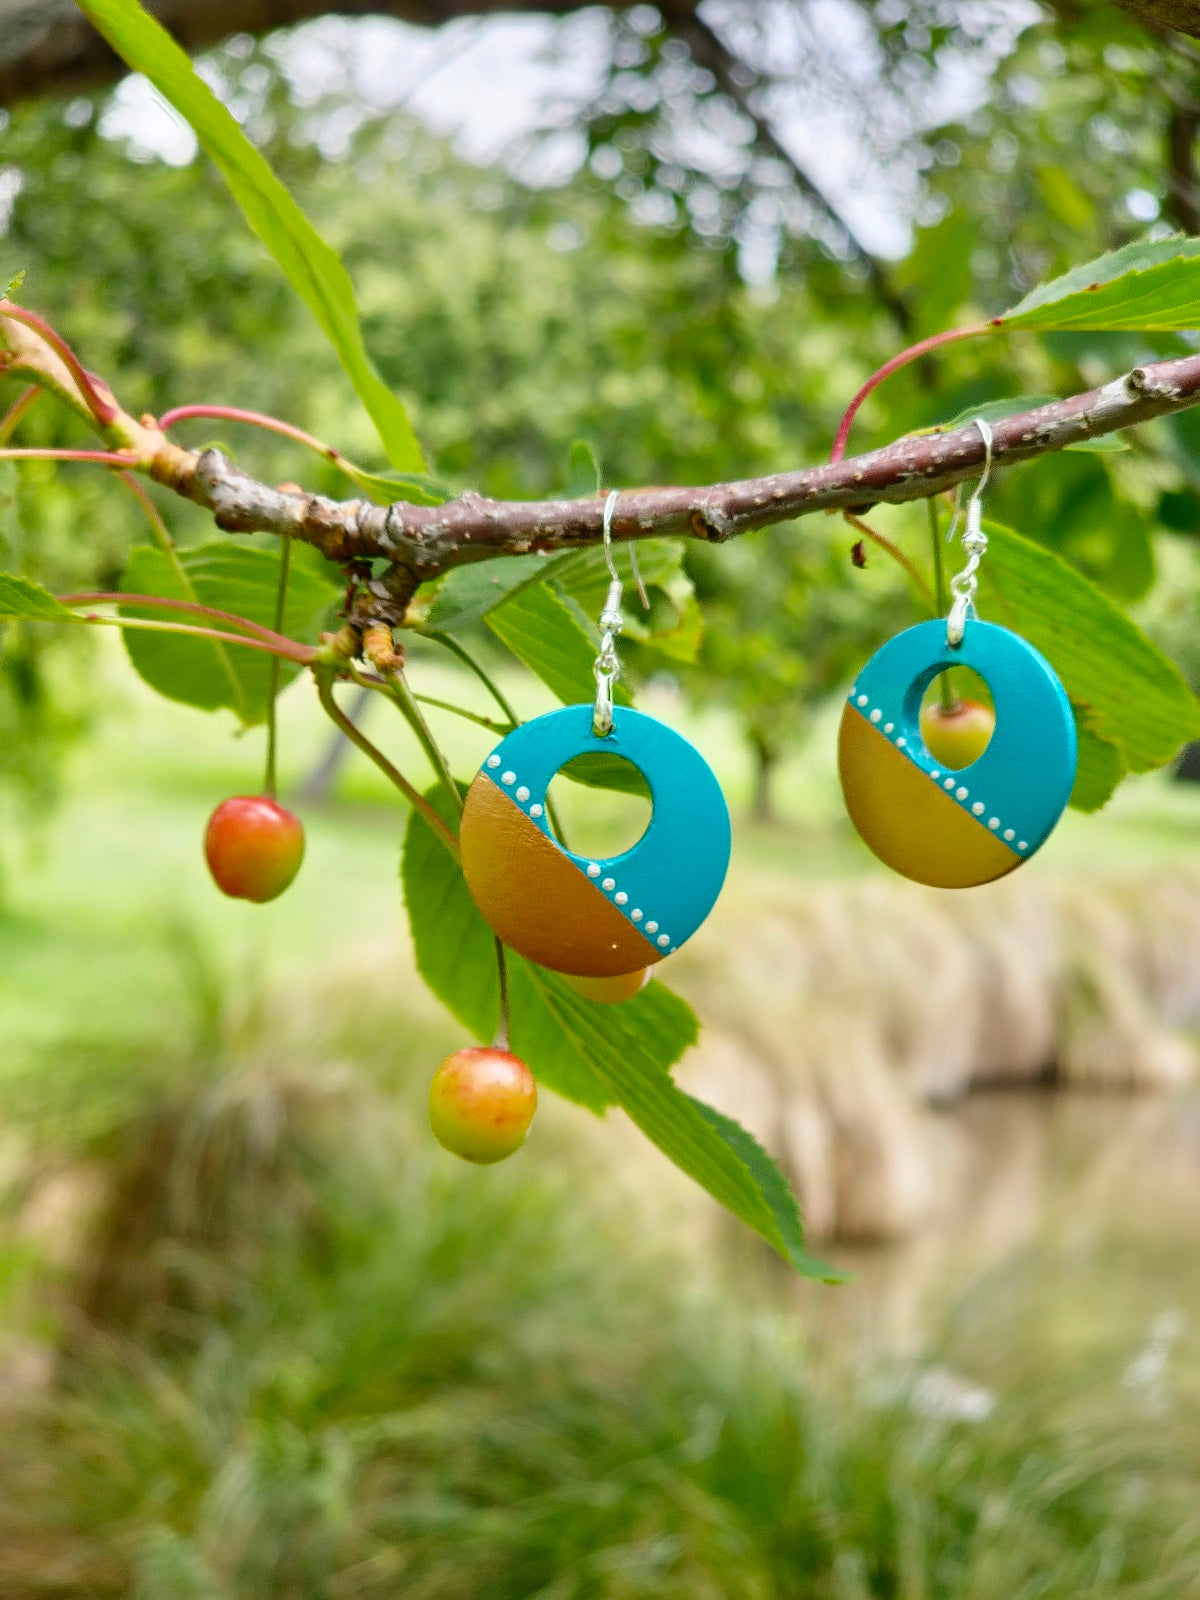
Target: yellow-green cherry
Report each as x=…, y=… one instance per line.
x=481, y=1102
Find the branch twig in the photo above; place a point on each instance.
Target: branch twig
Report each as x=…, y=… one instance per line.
x=425, y=541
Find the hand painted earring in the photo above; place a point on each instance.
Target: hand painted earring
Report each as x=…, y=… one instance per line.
x=595, y=916
x=955, y=829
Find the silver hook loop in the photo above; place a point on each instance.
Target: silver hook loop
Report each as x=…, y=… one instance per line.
x=964, y=584
x=607, y=666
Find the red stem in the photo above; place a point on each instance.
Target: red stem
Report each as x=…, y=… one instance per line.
x=914, y=351
x=122, y=598
x=304, y=654
x=109, y=457
x=256, y=419
x=16, y=411
x=103, y=410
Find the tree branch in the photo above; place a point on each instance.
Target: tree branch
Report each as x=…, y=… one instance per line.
x=710, y=50
x=421, y=542
x=418, y=543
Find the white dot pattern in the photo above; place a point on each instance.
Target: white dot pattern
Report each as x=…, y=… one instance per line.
x=960, y=791
x=593, y=869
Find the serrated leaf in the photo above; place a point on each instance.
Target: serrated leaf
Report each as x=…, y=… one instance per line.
x=13, y=284
x=1127, y=691
x=583, y=574
x=314, y=270
x=718, y=1154
x=467, y=594
x=232, y=577
x=996, y=410
x=1151, y=284
x=773, y=1187
x=550, y=633
x=22, y=600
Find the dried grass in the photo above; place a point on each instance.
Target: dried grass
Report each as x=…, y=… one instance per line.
x=863, y=1005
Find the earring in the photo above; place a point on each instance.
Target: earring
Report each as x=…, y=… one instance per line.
x=595, y=917
x=972, y=825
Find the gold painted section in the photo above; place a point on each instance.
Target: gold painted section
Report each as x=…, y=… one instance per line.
x=910, y=824
x=536, y=899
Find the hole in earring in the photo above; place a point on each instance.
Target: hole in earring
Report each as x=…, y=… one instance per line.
x=604, y=802
x=957, y=718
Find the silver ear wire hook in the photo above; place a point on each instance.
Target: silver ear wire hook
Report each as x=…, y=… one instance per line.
x=607, y=666
x=964, y=584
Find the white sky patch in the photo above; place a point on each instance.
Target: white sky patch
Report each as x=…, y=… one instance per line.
x=153, y=129
x=485, y=84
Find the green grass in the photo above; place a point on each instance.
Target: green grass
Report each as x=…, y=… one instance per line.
x=413, y=1380
x=307, y=1357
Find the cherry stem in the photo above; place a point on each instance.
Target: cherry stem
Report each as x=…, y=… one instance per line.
x=403, y=696
x=500, y=1042
x=102, y=410
x=497, y=695
x=468, y=660
x=122, y=598
x=285, y=561
x=945, y=688
x=893, y=550
x=303, y=653
x=461, y=711
x=356, y=736
x=108, y=458
x=913, y=353
x=17, y=410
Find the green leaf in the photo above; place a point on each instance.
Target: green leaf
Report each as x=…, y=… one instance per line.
x=456, y=955
x=996, y=410
x=721, y=1156
x=1151, y=284
x=24, y=601
x=231, y=577
x=314, y=270
x=597, y=770
x=590, y=1053
x=774, y=1189
x=385, y=487
x=1099, y=772
x=467, y=594
x=550, y=633
x=583, y=472
x=1129, y=694
x=583, y=574
x=13, y=284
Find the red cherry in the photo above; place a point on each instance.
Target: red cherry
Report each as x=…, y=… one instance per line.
x=253, y=847
x=481, y=1102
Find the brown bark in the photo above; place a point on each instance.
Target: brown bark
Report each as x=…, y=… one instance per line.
x=420, y=542
x=1181, y=15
